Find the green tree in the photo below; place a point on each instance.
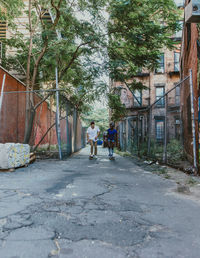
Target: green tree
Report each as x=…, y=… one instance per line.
x=138, y=32
x=99, y=115
x=65, y=41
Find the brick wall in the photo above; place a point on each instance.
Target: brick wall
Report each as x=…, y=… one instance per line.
x=169, y=78
x=189, y=61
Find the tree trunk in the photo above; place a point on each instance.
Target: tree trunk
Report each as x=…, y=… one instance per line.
x=28, y=131
x=29, y=96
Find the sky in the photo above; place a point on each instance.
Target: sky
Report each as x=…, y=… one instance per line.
x=105, y=78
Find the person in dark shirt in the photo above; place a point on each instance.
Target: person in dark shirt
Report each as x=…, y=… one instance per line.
x=111, y=138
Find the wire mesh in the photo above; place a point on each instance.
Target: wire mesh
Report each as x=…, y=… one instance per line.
x=156, y=130
x=43, y=134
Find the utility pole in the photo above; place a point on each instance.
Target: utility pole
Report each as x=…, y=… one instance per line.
x=58, y=116
x=149, y=129
x=2, y=91
x=193, y=123
x=165, y=139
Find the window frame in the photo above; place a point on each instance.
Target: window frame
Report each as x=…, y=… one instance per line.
x=177, y=127
x=176, y=61
x=180, y=3
x=135, y=103
x=159, y=120
x=161, y=65
x=162, y=105
x=177, y=95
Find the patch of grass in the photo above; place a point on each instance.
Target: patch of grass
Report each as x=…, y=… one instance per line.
x=161, y=171
x=191, y=181
x=167, y=176
x=45, y=148
x=123, y=153
x=175, y=151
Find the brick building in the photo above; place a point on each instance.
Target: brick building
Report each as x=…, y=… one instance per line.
x=190, y=53
x=134, y=129
x=135, y=125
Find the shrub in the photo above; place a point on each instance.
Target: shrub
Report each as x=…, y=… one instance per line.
x=175, y=151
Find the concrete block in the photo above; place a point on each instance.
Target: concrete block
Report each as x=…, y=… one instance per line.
x=13, y=155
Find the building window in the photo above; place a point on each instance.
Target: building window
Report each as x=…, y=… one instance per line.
x=46, y=16
x=161, y=64
x=137, y=98
x=159, y=130
x=160, y=91
x=3, y=25
x=179, y=33
x=177, y=128
x=177, y=95
x=179, y=3
x=176, y=61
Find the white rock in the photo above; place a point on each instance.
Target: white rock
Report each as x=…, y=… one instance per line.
x=13, y=155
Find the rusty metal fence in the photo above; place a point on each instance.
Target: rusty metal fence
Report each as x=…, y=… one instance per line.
x=45, y=138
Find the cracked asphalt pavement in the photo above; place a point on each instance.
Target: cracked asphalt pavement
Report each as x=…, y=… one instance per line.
x=94, y=209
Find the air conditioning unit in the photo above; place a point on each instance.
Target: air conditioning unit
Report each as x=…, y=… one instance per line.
x=192, y=12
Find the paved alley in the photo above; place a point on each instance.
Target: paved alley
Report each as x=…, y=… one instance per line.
x=94, y=209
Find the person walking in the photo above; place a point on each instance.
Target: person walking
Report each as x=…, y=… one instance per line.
x=112, y=139
x=93, y=133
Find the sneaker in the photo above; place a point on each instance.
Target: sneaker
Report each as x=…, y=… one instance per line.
x=95, y=156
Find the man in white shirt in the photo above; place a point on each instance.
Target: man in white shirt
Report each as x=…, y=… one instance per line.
x=93, y=133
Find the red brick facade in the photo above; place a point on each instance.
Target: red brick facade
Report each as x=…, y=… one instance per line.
x=189, y=61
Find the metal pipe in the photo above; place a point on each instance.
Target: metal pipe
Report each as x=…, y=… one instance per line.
x=58, y=116
x=2, y=91
x=193, y=122
x=165, y=139
x=34, y=91
x=67, y=130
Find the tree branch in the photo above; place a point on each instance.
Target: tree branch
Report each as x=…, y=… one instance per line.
x=21, y=66
x=74, y=56
x=57, y=8
x=46, y=134
x=132, y=93
x=39, y=103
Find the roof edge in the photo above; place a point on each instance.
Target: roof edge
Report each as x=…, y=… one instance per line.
x=1, y=67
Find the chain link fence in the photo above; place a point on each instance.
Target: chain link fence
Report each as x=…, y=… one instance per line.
x=157, y=131
x=44, y=135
